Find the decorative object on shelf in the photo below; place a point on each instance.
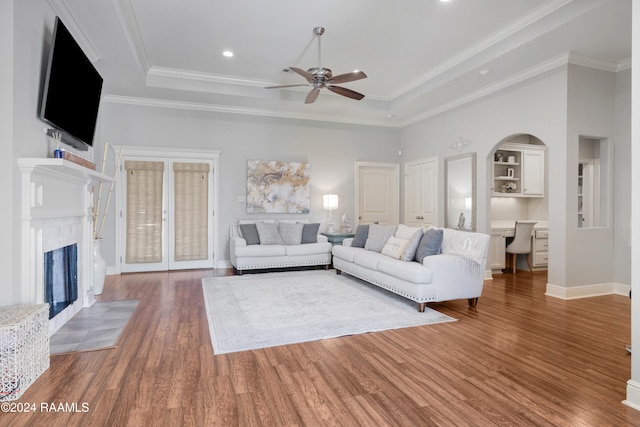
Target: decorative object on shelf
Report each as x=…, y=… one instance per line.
x=330, y=203
x=499, y=156
x=511, y=172
x=345, y=226
x=461, y=220
x=57, y=138
x=460, y=144
x=67, y=155
x=278, y=187
x=508, y=187
x=99, y=267
x=511, y=159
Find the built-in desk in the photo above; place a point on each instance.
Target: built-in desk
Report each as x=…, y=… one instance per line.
x=502, y=229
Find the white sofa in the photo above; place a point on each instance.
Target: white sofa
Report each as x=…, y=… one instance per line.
x=455, y=273
x=246, y=256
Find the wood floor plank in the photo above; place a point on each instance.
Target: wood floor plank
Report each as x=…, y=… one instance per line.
x=518, y=358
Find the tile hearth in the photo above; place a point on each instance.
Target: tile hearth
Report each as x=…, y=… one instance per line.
x=95, y=327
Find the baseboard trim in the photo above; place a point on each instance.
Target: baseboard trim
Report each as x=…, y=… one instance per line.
x=633, y=395
x=587, y=291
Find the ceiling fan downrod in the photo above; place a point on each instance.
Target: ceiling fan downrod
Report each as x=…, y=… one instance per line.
x=319, y=32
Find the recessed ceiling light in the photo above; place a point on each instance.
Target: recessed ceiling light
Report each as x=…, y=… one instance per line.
x=227, y=53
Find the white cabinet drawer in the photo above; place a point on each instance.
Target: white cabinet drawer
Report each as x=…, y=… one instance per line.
x=541, y=245
x=542, y=234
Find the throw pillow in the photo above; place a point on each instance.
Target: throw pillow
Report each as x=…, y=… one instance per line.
x=250, y=233
x=394, y=247
x=429, y=244
x=269, y=234
x=406, y=232
x=378, y=236
x=409, y=252
x=310, y=233
x=362, y=232
x=291, y=233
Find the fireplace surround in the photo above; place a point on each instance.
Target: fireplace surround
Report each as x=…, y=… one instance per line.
x=56, y=212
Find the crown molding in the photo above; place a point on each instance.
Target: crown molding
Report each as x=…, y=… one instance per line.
x=195, y=106
x=496, y=43
x=515, y=79
x=127, y=16
x=61, y=8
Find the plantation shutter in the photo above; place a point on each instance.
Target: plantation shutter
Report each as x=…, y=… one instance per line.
x=144, y=211
x=191, y=190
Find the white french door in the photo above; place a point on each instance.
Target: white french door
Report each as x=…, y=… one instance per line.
x=166, y=208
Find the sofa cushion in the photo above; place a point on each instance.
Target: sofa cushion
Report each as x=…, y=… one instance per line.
x=345, y=252
x=409, y=271
x=360, y=238
x=394, y=247
x=429, y=244
x=409, y=252
x=406, y=232
x=260, y=251
x=290, y=233
x=310, y=233
x=308, y=249
x=249, y=232
x=378, y=236
x=269, y=234
x=367, y=259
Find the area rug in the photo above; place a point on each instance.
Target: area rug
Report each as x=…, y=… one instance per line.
x=94, y=328
x=255, y=311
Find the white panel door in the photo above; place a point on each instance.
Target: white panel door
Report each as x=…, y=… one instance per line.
x=421, y=198
x=533, y=173
x=377, y=193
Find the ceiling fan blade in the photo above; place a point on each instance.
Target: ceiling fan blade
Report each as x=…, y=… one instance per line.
x=281, y=86
x=311, y=97
x=303, y=73
x=348, y=77
x=345, y=92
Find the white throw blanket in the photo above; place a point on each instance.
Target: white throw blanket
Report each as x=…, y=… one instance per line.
x=470, y=247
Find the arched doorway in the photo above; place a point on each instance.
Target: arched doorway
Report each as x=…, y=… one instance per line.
x=517, y=169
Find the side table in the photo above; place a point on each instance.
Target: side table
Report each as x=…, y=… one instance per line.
x=337, y=238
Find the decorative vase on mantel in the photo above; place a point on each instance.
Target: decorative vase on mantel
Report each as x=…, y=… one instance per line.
x=99, y=267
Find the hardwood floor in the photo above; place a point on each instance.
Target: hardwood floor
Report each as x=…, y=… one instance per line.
x=519, y=359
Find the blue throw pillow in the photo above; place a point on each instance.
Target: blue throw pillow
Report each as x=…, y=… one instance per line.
x=362, y=233
x=310, y=233
x=250, y=234
x=429, y=244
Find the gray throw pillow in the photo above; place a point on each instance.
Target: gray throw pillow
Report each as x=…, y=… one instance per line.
x=291, y=233
x=378, y=236
x=250, y=234
x=429, y=244
x=362, y=232
x=310, y=233
x=409, y=252
x=269, y=234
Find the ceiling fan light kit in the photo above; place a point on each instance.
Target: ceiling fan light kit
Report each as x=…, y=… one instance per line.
x=320, y=78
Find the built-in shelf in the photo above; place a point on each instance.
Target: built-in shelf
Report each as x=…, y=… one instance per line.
x=62, y=167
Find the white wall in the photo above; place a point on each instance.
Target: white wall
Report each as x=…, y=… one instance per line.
x=331, y=149
x=591, y=96
x=536, y=107
x=7, y=177
x=622, y=180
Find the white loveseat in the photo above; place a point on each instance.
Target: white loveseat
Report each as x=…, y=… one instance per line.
x=456, y=272
x=248, y=254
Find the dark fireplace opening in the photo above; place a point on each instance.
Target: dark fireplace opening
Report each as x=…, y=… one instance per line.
x=61, y=278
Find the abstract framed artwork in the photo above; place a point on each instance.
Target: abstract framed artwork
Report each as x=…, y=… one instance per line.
x=278, y=187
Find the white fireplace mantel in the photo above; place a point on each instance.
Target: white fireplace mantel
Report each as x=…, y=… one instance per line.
x=56, y=211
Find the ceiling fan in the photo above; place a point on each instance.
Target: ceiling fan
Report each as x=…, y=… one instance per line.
x=320, y=78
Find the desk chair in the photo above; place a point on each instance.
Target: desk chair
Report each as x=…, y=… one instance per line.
x=521, y=243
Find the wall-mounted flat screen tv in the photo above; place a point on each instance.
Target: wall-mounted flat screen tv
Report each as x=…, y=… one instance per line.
x=72, y=89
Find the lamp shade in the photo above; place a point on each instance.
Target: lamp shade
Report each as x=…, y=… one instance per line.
x=330, y=201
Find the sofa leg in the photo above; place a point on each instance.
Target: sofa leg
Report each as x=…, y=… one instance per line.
x=326, y=266
x=422, y=306
x=239, y=272
x=473, y=302
x=338, y=271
